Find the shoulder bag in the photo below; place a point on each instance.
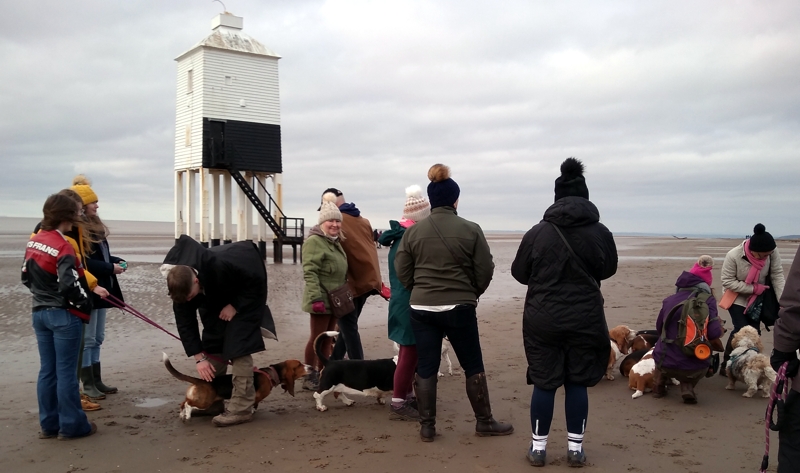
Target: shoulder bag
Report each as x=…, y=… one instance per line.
x=341, y=300
x=467, y=270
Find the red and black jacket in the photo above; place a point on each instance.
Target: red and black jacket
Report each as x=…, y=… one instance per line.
x=55, y=275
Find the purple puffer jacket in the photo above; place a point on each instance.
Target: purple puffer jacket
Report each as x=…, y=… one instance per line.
x=675, y=358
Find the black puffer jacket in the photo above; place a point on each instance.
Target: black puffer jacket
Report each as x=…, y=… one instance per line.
x=229, y=274
x=564, y=327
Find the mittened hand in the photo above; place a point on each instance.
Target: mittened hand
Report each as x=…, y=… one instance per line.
x=318, y=307
x=759, y=289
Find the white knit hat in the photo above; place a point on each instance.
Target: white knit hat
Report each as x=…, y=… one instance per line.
x=328, y=210
x=417, y=206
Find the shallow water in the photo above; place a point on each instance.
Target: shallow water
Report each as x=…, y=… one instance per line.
x=150, y=402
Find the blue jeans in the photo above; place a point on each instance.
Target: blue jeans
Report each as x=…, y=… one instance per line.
x=93, y=337
x=58, y=334
x=461, y=327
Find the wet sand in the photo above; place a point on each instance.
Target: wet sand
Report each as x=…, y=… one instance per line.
x=139, y=429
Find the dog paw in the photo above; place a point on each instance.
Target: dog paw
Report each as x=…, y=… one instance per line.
x=348, y=402
x=610, y=377
x=381, y=401
x=729, y=387
x=440, y=374
x=322, y=408
x=636, y=394
x=676, y=382
x=748, y=394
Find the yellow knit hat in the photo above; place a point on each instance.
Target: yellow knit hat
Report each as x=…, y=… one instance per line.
x=82, y=185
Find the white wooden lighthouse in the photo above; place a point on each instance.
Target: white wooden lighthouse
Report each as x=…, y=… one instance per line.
x=227, y=127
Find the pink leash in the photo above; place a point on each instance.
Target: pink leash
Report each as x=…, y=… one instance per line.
x=777, y=398
x=123, y=306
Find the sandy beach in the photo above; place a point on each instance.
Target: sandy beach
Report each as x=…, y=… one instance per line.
x=139, y=429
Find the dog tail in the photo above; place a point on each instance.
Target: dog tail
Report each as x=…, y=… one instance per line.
x=177, y=374
x=318, y=346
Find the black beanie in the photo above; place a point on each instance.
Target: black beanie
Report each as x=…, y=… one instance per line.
x=442, y=190
x=571, y=181
x=761, y=240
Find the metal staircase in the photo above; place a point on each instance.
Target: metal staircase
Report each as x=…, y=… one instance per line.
x=289, y=231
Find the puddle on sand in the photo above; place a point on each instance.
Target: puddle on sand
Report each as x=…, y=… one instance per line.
x=150, y=402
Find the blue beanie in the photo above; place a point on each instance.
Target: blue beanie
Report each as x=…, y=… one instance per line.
x=442, y=191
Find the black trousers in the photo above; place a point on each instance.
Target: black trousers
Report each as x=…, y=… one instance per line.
x=789, y=436
x=460, y=325
x=739, y=319
x=349, y=339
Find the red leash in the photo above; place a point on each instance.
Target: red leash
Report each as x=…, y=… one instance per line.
x=777, y=398
x=123, y=306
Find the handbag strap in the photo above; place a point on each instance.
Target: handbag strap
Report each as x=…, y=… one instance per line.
x=455, y=257
x=575, y=256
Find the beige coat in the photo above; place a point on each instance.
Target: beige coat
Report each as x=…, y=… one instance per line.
x=736, y=267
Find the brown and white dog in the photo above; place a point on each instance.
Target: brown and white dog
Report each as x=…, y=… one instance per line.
x=748, y=364
x=641, y=375
x=630, y=360
x=644, y=340
x=620, y=339
x=209, y=396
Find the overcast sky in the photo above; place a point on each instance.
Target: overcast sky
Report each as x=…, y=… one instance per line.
x=686, y=114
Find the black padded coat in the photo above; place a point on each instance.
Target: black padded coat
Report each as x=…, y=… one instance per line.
x=229, y=274
x=564, y=327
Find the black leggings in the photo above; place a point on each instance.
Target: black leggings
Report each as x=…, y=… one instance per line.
x=739, y=320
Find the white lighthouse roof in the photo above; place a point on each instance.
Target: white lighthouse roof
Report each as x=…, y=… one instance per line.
x=227, y=34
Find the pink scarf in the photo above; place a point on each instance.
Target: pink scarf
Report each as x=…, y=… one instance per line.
x=756, y=265
x=405, y=223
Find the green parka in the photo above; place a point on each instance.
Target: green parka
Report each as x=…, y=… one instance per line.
x=324, y=268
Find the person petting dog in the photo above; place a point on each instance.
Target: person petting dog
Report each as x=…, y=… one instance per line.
x=227, y=285
x=403, y=406
x=671, y=359
x=786, y=339
x=562, y=260
x=445, y=262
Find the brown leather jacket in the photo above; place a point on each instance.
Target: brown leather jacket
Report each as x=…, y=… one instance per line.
x=363, y=269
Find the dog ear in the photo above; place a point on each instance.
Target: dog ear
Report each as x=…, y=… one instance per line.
x=623, y=347
x=289, y=370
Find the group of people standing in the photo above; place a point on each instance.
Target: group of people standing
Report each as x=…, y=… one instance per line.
x=70, y=272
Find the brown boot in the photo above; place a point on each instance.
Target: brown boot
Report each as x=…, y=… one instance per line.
x=478, y=394
x=87, y=405
x=687, y=393
x=659, y=384
x=426, y=403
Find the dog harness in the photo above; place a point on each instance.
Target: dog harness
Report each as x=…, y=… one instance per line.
x=736, y=367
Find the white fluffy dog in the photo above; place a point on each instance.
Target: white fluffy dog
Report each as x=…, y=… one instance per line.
x=748, y=365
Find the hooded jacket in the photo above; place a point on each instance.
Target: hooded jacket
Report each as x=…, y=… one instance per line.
x=229, y=274
x=786, y=337
x=324, y=268
x=564, y=327
x=399, y=323
x=670, y=355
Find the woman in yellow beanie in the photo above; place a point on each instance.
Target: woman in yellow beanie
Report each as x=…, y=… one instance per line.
x=105, y=267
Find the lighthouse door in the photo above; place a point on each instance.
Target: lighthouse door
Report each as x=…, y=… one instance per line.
x=217, y=136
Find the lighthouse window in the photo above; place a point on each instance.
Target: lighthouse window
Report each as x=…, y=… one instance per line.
x=189, y=81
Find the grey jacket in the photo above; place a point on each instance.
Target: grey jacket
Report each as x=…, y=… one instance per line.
x=426, y=267
x=735, y=269
x=786, y=337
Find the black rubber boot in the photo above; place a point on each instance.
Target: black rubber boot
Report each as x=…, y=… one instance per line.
x=478, y=394
x=99, y=383
x=89, y=387
x=426, y=401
